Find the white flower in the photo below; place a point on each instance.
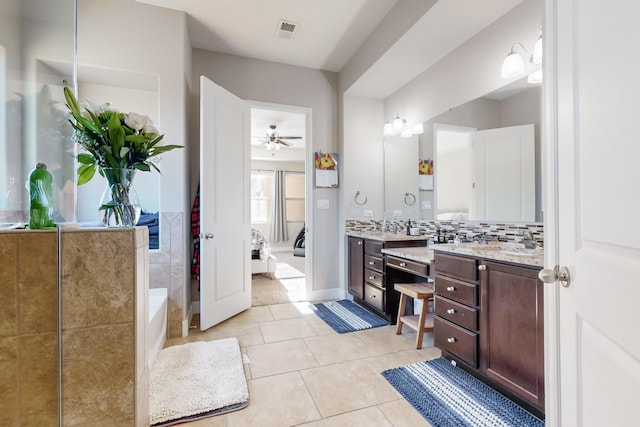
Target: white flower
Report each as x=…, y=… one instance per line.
x=150, y=129
x=137, y=122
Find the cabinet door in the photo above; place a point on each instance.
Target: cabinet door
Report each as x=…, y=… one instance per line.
x=511, y=343
x=356, y=269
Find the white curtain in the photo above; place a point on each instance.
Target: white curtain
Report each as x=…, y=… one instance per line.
x=279, y=217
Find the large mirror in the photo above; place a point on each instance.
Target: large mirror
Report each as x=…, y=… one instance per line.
x=401, y=198
x=514, y=105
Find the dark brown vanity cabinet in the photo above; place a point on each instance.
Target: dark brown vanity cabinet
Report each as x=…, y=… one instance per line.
x=356, y=266
x=489, y=319
x=512, y=324
x=457, y=303
x=367, y=279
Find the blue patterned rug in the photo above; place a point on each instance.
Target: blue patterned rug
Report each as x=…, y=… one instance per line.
x=346, y=316
x=447, y=396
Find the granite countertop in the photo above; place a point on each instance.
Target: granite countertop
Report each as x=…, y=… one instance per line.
x=421, y=254
x=384, y=237
x=499, y=251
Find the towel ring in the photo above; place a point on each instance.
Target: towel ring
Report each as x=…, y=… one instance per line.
x=409, y=199
x=355, y=199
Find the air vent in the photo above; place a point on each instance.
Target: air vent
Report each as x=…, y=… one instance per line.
x=286, y=29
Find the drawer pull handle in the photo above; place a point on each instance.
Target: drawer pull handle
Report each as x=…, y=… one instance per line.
x=372, y=296
x=451, y=311
x=450, y=288
x=482, y=267
x=372, y=277
x=403, y=264
x=359, y=242
x=372, y=263
x=451, y=340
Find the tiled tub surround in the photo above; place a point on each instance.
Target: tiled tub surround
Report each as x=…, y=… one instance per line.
x=104, y=315
x=503, y=232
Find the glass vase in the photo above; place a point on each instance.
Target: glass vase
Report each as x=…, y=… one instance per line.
x=119, y=204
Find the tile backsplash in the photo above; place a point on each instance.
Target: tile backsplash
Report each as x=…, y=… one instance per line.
x=505, y=232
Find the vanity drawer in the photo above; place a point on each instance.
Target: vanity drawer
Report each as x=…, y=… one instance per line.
x=456, y=266
x=416, y=268
x=456, y=340
x=462, y=292
x=373, y=247
x=373, y=277
x=373, y=263
x=374, y=296
x=459, y=314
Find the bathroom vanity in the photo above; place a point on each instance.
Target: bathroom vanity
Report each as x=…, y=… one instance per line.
x=488, y=315
x=367, y=278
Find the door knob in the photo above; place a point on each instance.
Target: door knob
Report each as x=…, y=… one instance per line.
x=209, y=235
x=558, y=274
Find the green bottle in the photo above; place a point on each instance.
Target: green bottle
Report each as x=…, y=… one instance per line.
x=41, y=194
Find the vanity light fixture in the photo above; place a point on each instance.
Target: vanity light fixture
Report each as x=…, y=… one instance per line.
x=398, y=126
x=398, y=123
x=417, y=129
x=406, y=133
x=513, y=64
x=387, y=130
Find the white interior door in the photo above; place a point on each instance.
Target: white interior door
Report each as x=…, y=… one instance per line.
x=592, y=96
x=504, y=174
x=225, y=216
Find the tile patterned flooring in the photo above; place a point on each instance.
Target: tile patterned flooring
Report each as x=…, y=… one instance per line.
x=301, y=372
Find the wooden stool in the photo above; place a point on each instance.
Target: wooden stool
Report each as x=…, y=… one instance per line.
x=422, y=323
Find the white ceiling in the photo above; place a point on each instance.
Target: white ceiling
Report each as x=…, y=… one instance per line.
x=328, y=34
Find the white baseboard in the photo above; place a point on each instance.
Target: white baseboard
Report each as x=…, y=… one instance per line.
x=186, y=322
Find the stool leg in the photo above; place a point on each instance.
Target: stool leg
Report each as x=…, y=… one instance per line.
x=421, y=320
x=403, y=303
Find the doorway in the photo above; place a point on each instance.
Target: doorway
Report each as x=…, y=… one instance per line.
x=280, y=219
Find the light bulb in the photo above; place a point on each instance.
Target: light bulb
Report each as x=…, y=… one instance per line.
x=536, y=58
x=387, y=130
x=513, y=66
x=417, y=129
x=535, y=77
x=398, y=123
x=406, y=133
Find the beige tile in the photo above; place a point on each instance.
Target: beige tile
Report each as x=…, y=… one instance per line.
x=337, y=348
x=9, y=287
x=382, y=362
x=290, y=310
x=97, y=270
x=368, y=417
x=38, y=379
x=286, y=329
x=248, y=334
x=9, y=384
x=385, y=340
x=98, y=362
x=402, y=414
x=251, y=315
x=279, y=357
x=320, y=326
x=37, y=282
x=346, y=387
x=280, y=400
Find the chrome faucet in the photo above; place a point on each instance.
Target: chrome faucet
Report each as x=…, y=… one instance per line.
x=528, y=241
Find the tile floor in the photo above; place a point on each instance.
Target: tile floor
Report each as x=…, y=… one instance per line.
x=301, y=372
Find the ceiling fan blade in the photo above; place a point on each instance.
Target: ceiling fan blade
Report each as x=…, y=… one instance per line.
x=285, y=143
x=290, y=137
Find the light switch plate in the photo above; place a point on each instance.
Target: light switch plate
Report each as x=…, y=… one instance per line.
x=426, y=204
x=322, y=204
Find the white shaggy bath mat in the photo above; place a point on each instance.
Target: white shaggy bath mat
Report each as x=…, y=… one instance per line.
x=197, y=380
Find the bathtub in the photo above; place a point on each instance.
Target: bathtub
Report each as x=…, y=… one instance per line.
x=157, y=330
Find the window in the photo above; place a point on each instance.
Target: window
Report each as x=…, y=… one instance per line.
x=294, y=184
x=261, y=196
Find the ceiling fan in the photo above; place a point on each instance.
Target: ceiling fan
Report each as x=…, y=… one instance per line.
x=274, y=140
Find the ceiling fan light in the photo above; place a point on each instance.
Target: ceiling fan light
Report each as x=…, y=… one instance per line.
x=398, y=123
x=513, y=66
